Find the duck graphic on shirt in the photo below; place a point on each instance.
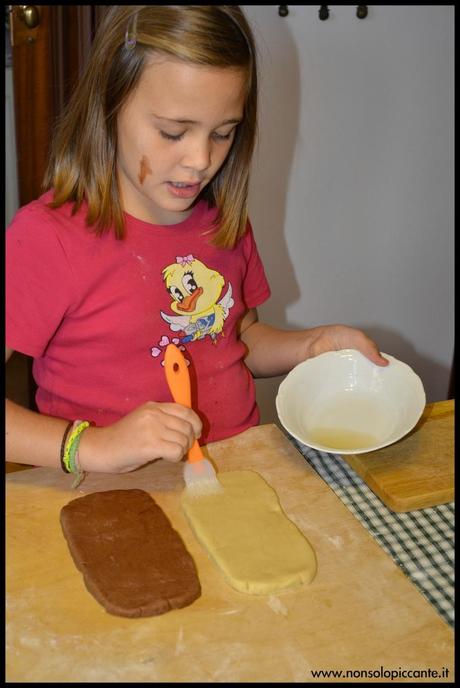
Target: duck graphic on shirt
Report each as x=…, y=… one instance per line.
x=195, y=291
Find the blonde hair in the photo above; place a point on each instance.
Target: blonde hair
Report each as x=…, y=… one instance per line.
x=83, y=163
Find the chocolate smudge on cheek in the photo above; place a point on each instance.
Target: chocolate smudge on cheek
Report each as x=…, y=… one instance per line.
x=144, y=169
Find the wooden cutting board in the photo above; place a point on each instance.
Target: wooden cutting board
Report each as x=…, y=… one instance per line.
x=359, y=613
x=418, y=471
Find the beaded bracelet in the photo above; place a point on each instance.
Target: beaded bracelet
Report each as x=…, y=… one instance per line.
x=70, y=458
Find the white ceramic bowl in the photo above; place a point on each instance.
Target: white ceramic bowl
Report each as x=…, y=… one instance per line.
x=342, y=403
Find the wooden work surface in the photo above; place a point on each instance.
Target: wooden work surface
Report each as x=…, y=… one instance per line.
x=418, y=471
x=359, y=613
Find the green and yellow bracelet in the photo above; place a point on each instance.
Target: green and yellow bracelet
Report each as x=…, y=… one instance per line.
x=69, y=457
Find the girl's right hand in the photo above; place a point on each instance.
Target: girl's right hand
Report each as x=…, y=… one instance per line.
x=152, y=431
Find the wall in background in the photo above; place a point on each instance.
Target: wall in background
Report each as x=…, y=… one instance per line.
x=352, y=189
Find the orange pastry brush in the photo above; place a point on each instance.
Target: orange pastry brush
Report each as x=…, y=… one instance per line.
x=199, y=474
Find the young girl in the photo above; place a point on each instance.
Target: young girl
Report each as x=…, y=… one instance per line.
x=142, y=239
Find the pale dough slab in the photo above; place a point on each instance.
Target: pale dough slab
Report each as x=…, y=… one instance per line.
x=249, y=537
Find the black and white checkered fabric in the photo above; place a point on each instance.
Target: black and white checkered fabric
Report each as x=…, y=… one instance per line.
x=420, y=542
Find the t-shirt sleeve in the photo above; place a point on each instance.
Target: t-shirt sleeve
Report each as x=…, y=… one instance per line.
x=256, y=289
x=39, y=282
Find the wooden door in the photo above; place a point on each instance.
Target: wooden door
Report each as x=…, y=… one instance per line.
x=49, y=46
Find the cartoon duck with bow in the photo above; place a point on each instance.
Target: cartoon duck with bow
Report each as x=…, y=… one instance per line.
x=195, y=290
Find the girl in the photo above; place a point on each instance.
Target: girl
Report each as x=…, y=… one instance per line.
x=141, y=239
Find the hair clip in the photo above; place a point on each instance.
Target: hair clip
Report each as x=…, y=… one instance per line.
x=131, y=31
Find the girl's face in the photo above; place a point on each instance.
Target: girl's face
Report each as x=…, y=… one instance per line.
x=174, y=133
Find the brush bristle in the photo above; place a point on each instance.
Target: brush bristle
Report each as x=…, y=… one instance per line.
x=201, y=479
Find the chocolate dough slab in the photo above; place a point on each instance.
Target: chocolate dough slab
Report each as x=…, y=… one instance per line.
x=132, y=560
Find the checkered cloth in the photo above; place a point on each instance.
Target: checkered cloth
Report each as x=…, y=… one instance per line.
x=421, y=542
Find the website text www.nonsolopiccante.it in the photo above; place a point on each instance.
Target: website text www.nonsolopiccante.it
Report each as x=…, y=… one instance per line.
x=391, y=674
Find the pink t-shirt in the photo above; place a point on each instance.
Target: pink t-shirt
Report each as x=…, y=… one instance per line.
x=96, y=313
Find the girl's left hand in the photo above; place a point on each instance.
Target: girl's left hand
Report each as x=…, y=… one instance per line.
x=336, y=337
